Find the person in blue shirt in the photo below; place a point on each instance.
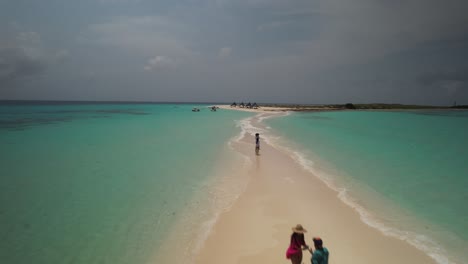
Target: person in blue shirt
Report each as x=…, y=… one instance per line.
x=320, y=255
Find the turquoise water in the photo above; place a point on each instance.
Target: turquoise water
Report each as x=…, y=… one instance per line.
x=417, y=161
x=101, y=183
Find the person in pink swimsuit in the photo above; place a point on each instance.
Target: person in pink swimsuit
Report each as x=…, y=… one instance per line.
x=294, y=252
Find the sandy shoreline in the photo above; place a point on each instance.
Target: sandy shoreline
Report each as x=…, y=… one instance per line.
x=271, y=109
x=262, y=109
x=281, y=194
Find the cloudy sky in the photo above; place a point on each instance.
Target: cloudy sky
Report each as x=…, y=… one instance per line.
x=291, y=51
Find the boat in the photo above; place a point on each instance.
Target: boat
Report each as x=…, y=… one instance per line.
x=195, y=109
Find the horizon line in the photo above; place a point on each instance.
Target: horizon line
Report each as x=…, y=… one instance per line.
x=177, y=102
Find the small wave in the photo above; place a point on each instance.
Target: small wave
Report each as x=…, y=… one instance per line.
x=263, y=116
x=247, y=127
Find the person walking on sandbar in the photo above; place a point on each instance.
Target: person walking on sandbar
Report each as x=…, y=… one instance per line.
x=257, y=143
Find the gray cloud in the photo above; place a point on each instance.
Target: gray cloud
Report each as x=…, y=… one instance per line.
x=20, y=56
x=363, y=30
x=273, y=50
x=62, y=55
x=160, y=62
x=118, y=1
x=15, y=63
x=438, y=77
x=225, y=52
x=452, y=82
x=140, y=34
x=23, y=55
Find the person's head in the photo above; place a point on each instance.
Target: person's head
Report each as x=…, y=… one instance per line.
x=318, y=243
x=298, y=229
x=257, y=134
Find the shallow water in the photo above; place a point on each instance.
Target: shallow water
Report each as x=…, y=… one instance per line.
x=101, y=183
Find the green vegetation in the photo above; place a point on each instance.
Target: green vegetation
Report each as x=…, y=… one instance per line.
x=350, y=106
x=395, y=106
x=459, y=107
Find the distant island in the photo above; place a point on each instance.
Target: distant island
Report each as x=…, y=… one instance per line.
x=350, y=106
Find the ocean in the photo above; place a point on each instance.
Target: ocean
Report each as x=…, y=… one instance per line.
x=406, y=173
x=111, y=183
x=105, y=183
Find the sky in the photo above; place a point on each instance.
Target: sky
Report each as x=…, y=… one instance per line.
x=266, y=51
